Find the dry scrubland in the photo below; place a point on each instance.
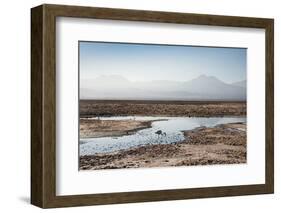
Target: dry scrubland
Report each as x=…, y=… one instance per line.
x=222, y=144
x=161, y=108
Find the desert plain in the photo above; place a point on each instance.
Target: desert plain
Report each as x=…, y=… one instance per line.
x=217, y=144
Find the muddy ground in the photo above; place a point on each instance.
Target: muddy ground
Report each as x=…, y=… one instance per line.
x=93, y=128
x=222, y=144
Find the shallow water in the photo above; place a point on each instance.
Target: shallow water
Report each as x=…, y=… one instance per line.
x=172, y=126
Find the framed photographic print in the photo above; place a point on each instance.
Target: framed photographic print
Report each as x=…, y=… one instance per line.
x=136, y=106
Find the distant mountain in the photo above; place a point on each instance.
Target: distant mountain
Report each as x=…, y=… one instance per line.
x=211, y=87
x=200, y=88
x=240, y=83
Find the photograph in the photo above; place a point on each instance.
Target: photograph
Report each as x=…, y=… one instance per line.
x=161, y=105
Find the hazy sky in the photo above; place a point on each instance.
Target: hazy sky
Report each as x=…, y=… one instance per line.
x=143, y=62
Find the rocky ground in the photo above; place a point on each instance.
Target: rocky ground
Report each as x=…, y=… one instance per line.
x=222, y=144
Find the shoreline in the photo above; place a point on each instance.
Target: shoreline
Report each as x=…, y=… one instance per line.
x=221, y=144
x=121, y=132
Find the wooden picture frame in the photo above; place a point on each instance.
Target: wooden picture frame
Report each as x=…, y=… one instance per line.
x=43, y=105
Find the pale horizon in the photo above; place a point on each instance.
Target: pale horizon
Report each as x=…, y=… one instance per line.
x=183, y=80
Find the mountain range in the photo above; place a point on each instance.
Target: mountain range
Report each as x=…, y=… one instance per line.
x=201, y=88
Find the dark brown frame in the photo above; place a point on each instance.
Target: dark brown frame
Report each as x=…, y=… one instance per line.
x=43, y=105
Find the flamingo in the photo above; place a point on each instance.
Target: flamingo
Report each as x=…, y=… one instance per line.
x=160, y=132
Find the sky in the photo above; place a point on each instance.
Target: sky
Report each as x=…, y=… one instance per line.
x=146, y=62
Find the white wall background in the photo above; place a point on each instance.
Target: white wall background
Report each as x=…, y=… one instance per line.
x=15, y=105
